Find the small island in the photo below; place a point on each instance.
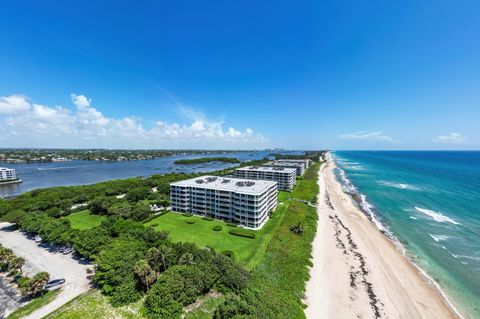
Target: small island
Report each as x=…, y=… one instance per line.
x=207, y=160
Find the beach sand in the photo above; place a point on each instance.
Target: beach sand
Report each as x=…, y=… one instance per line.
x=357, y=271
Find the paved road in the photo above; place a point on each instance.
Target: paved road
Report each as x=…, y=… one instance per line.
x=44, y=258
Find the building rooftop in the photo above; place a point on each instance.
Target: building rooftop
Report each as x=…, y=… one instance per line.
x=288, y=160
x=267, y=169
x=284, y=164
x=238, y=185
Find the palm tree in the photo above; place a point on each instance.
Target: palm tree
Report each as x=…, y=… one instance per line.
x=16, y=264
x=154, y=258
x=146, y=274
x=39, y=281
x=297, y=228
x=165, y=252
x=187, y=259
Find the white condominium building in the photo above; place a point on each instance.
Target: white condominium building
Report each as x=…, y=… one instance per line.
x=7, y=174
x=300, y=168
x=304, y=162
x=285, y=177
x=242, y=201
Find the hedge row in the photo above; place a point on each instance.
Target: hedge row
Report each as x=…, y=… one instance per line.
x=208, y=218
x=187, y=215
x=242, y=233
x=232, y=225
x=190, y=221
x=217, y=228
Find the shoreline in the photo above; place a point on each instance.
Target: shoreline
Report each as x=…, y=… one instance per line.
x=360, y=271
x=18, y=181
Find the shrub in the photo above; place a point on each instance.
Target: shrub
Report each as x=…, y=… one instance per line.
x=230, y=254
x=208, y=218
x=242, y=233
x=297, y=228
x=187, y=215
x=190, y=222
x=232, y=225
x=154, y=224
x=217, y=228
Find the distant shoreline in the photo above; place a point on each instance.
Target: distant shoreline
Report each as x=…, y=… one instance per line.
x=207, y=160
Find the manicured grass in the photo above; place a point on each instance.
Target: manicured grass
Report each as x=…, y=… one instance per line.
x=34, y=305
x=94, y=305
x=247, y=251
x=84, y=220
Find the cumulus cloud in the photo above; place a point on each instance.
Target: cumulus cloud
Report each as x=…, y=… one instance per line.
x=86, y=126
x=368, y=135
x=80, y=100
x=13, y=104
x=452, y=138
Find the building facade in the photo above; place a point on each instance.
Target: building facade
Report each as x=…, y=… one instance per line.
x=305, y=162
x=299, y=167
x=245, y=202
x=285, y=177
x=7, y=174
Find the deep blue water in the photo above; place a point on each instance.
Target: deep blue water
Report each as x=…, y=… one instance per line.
x=41, y=175
x=429, y=201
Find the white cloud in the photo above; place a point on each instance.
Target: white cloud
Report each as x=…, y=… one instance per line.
x=86, y=126
x=452, y=138
x=13, y=104
x=368, y=135
x=80, y=100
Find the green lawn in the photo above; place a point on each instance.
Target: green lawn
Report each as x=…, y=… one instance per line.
x=247, y=251
x=84, y=220
x=34, y=305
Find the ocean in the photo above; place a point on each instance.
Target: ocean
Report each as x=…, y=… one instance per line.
x=430, y=203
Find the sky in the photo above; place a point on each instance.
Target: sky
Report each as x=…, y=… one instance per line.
x=240, y=74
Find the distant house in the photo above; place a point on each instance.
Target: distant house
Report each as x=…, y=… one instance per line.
x=7, y=174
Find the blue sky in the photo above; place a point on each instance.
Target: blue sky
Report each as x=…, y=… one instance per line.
x=240, y=74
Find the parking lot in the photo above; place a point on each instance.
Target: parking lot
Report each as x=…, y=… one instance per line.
x=43, y=257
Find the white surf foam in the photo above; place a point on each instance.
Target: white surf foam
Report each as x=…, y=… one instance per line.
x=438, y=217
x=398, y=185
x=412, y=217
x=438, y=238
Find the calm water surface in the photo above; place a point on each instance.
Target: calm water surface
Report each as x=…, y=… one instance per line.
x=41, y=175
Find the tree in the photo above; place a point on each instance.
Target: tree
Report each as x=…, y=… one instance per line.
x=24, y=285
x=137, y=194
x=165, y=253
x=146, y=274
x=187, y=259
x=38, y=282
x=16, y=264
x=99, y=206
x=297, y=228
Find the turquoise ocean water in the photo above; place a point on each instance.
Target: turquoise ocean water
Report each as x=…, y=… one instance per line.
x=430, y=202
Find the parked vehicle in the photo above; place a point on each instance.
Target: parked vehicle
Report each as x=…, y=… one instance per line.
x=54, y=283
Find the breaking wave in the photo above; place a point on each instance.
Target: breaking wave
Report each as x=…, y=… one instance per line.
x=398, y=185
x=438, y=238
x=438, y=217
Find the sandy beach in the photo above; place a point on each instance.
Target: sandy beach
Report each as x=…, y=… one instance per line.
x=357, y=271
